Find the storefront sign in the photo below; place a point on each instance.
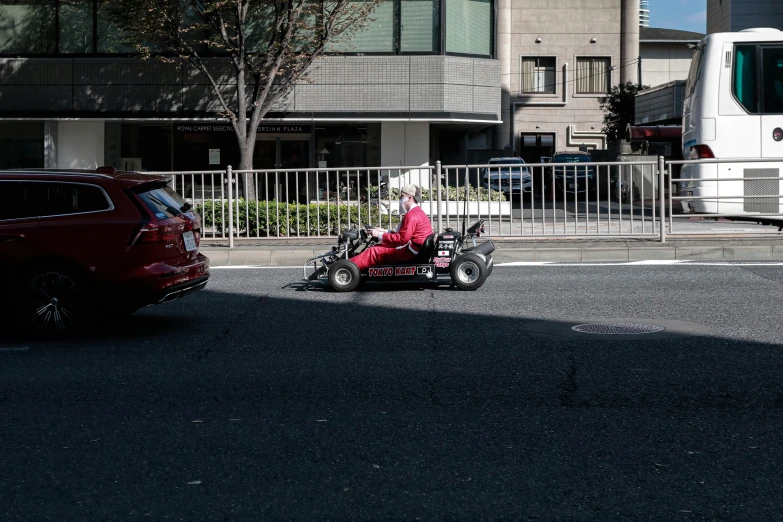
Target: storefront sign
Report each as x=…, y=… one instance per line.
x=214, y=156
x=264, y=129
x=204, y=127
x=112, y=144
x=285, y=129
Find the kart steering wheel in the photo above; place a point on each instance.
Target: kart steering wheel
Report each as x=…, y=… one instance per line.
x=363, y=235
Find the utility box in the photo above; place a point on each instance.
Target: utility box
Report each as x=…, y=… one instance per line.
x=640, y=179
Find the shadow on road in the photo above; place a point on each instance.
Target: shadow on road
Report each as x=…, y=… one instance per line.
x=320, y=406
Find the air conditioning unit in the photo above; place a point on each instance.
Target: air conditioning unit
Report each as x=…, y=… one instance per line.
x=131, y=164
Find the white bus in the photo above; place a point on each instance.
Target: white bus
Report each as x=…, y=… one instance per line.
x=733, y=110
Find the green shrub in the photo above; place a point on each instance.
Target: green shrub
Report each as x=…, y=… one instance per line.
x=458, y=194
x=452, y=193
x=273, y=219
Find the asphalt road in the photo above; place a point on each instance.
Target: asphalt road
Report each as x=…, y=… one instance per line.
x=254, y=400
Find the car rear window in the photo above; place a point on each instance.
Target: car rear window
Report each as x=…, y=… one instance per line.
x=571, y=158
x=162, y=201
x=24, y=199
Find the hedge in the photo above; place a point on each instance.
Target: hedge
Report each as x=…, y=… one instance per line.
x=283, y=218
x=450, y=193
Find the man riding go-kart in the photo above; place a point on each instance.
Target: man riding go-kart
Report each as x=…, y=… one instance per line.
x=403, y=245
x=411, y=254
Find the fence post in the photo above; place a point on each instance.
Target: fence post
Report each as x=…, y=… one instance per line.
x=662, y=197
x=440, y=196
x=467, y=197
x=230, y=175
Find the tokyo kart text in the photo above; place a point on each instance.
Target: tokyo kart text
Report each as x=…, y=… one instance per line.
x=443, y=259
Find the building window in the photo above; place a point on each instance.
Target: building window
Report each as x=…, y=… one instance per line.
x=469, y=27
x=75, y=26
x=538, y=74
x=21, y=145
x=420, y=26
x=376, y=37
x=395, y=26
x=593, y=75
x=35, y=27
x=110, y=38
x=28, y=27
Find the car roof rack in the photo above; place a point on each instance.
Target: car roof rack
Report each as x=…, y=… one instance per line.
x=61, y=172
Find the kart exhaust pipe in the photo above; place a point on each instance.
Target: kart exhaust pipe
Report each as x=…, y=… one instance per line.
x=485, y=248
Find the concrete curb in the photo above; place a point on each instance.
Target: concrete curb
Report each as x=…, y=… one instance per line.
x=572, y=252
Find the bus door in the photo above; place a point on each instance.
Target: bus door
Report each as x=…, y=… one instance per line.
x=740, y=122
x=771, y=109
x=772, y=102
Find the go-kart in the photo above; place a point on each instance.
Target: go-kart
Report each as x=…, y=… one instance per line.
x=442, y=259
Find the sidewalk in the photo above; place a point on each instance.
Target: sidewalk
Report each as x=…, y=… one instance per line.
x=294, y=252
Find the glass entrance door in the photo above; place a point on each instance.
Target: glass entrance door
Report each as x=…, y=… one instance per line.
x=537, y=148
x=283, y=153
x=265, y=158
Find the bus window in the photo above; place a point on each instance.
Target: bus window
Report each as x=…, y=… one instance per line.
x=695, y=70
x=744, y=83
x=773, y=80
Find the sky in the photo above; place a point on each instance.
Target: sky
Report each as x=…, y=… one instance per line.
x=686, y=15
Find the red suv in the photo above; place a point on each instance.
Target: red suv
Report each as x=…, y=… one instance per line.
x=76, y=245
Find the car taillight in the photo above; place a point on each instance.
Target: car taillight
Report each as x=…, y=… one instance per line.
x=701, y=152
x=157, y=233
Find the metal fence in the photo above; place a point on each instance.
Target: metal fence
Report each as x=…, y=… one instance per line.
x=739, y=190
x=567, y=200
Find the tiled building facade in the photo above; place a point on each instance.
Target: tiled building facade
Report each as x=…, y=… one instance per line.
x=735, y=15
x=557, y=58
x=455, y=80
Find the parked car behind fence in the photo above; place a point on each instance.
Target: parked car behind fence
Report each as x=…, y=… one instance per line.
x=507, y=176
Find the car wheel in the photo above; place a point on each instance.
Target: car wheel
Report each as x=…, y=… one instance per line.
x=344, y=275
x=54, y=301
x=469, y=272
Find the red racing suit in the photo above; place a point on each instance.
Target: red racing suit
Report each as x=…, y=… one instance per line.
x=398, y=247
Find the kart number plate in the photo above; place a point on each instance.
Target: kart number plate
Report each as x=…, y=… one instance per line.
x=190, y=241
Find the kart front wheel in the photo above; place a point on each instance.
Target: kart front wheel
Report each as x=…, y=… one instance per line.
x=344, y=276
x=468, y=272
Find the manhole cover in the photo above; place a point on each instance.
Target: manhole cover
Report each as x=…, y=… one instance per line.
x=617, y=328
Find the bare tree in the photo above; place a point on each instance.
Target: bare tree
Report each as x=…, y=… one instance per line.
x=270, y=43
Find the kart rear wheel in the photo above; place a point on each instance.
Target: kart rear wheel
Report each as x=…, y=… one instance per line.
x=344, y=276
x=468, y=272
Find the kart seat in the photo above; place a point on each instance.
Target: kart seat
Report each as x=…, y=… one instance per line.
x=351, y=234
x=425, y=252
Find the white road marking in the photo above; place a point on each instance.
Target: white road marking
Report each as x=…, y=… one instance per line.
x=662, y=263
x=656, y=262
x=14, y=348
x=525, y=263
x=649, y=262
x=252, y=267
